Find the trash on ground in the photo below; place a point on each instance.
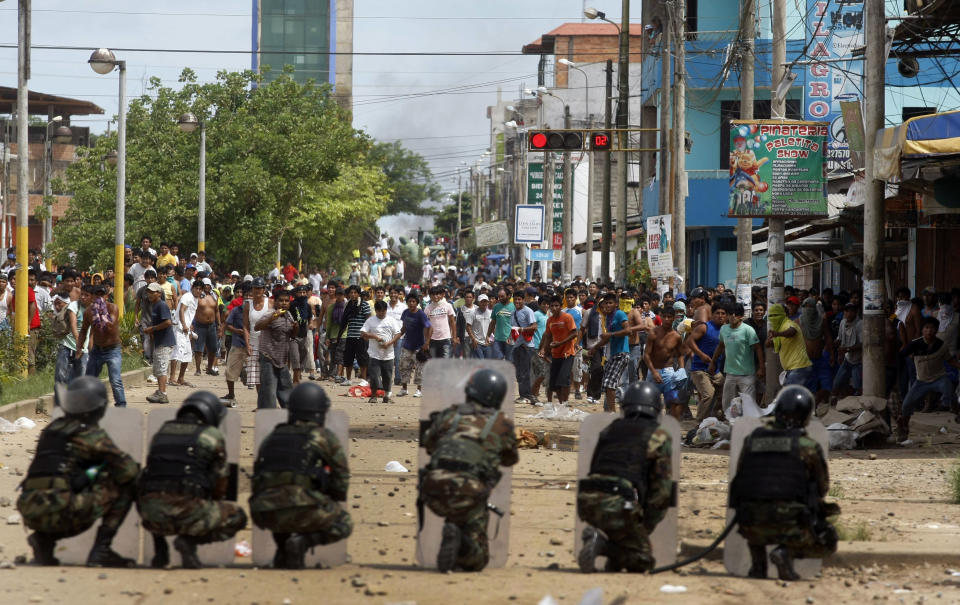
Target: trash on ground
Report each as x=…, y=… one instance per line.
x=242, y=549
x=8, y=427
x=395, y=467
x=553, y=411
x=24, y=422
x=671, y=588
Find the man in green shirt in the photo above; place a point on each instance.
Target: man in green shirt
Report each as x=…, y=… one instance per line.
x=738, y=344
x=501, y=325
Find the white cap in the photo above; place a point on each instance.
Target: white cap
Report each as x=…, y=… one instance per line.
x=234, y=274
x=247, y=277
x=207, y=282
x=483, y=297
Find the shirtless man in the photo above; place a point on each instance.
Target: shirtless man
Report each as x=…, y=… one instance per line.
x=698, y=307
x=101, y=320
x=663, y=345
x=638, y=337
x=206, y=325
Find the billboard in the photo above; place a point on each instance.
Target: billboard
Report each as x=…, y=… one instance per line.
x=535, y=193
x=659, y=246
x=528, y=226
x=777, y=168
x=834, y=29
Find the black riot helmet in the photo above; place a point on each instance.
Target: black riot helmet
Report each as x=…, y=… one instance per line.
x=85, y=397
x=308, y=402
x=205, y=406
x=641, y=399
x=794, y=406
x=486, y=387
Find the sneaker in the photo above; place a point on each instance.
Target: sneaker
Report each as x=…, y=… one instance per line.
x=230, y=402
x=521, y=400
x=578, y=396
x=372, y=400
x=250, y=386
x=534, y=401
x=152, y=379
x=387, y=399
x=418, y=393
x=402, y=393
x=158, y=397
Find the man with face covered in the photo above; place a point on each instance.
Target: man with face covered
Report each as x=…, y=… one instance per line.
x=786, y=339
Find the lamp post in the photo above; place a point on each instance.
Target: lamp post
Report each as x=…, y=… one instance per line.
x=21, y=304
x=188, y=123
x=59, y=135
x=103, y=61
x=588, y=258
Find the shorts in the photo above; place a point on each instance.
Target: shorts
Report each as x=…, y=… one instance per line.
x=410, y=367
x=540, y=367
x=161, y=360
x=613, y=370
x=253, y=367
x=300, y=358
x=355, y=350
x=235, y=361
x=207, y=339
x=560, y=371
x=336, y=351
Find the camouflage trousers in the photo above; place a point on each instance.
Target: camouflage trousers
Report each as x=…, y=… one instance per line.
x=169, y=514
x=786, y=524
x=462, y=500
x=628, y=540
x=62, y=513
x=325, y=519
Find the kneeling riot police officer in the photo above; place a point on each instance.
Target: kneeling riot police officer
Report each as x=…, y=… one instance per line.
x=630, y=485
x=77, y=476
x=300, y=479
x=467, y=444
x=779, y=488
x=182, y=488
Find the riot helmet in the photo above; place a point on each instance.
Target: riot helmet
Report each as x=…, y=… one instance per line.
x=641, y=399
x=486, y=387
x=85, y=396
x=204, y=406
x=794, y=404
x=308, y=402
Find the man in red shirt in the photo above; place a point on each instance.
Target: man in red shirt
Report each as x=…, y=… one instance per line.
x=34, y=313
x=559, y=345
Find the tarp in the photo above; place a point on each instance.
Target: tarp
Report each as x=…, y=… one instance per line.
x=919, y=139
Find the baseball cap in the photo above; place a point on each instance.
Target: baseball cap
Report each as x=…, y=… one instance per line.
x=99, y=289
x=698, y=293
x=531, y=291
x=259, y=283
x=850, y=307
x=190, y=266
x=483, y=297
x=793, y=300
x=193, y=255
x=154, y=287
x=207, y=282
x=247, y=277
x=234, y=274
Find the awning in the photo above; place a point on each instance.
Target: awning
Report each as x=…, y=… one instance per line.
x=901, y=152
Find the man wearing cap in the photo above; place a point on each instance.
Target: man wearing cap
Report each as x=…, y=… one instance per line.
x=143, y=311
x=277, y=330
x=202, y=264
x=101, y=321
x=699, y=306
x=206, y=325
x=189, y=274
x=160, y=331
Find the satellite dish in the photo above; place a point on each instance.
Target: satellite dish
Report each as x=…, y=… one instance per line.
x=908, y=67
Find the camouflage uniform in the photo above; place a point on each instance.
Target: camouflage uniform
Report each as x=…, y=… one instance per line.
x=182, y=508
x=456, y=488
x=287, y=502
x=799, y=523
x=48, y=503
x=626, y=522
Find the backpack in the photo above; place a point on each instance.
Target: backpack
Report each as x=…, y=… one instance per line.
x=60, y=326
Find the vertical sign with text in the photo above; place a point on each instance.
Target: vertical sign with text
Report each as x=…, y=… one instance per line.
x=535, y=195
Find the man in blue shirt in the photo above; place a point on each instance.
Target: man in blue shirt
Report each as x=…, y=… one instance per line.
x=524, y=323
x=163, y=342
x=415, y=339
x=238, y=347
x=702, y=342
x=615, y=337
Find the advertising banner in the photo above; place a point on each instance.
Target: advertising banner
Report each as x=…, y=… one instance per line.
x=777, y=168
x=659, y=246
x=491, y=234
x=834, y=29
x=528, y=228
x=535, y=193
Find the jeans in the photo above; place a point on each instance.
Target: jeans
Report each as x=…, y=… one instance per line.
x=799, y=376
x=66, y=369
x=502, y=350
x=522, y=355
x=636, y=357
x=275, y=384
x=845, y=372
x=440, y=349
x=111, y=357
x=396, y=362
x=941, y=385
x=483, y=352
x=380, y=375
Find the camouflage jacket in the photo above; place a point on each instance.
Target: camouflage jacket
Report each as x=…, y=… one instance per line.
x=812, y=456
x=210, y=447
x=499, y=445
x=91, y=446
x=330, y=459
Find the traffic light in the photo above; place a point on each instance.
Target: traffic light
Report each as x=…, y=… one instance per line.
x=600, y=141
x=554, y=140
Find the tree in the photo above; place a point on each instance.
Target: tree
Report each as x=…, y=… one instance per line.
x=445, y=219
x=283, y=164
x=408, y=175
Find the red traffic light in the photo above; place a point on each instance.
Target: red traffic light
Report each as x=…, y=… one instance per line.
x=600, y=141
x=555, y=140
x=538, y=140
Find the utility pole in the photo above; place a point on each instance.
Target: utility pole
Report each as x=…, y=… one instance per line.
x=623, y=163
x=22, y=321
x=775, y=225
x=459, y=207
x=680, y=148
x=663, y=200
x=588, y=269
x=605, y=221
x=546, y=267
x=873, y=219
x=566, y=268
x=745, y=225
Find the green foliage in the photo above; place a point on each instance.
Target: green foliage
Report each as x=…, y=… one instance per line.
x=408, y=175
x=638, y=272
x=953, y=479
x=836, y=491
x=858, y=531
x=445, y=221
x=13, y=357
x=283, y=162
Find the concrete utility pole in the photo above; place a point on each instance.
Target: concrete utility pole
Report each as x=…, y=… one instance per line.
x=665, y=87
x=566, y=269
x=775, y=230
x=680, y=148
x=745, y=225
x=22, y=321
x=623, y=120
x=873, y=210
x=605, y=221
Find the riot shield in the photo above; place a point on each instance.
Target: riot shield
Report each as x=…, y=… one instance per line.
x=736, y=552
x=329, y=555
x=443, y=384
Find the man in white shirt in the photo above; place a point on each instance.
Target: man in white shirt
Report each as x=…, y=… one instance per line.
x=382, y=332
x=183, y=352
x=468, y=310
x=477, y=328
x=443, y=325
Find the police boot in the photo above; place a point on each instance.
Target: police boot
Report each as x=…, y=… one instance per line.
x=187, y=547
x=449, y=547
x=782, y=558
x=295, y=550
x=903, y=428
x=280, y=555
x=101, y=555
x=161, y=552
x=594, y=545
x=758, y=562
x=43, y=545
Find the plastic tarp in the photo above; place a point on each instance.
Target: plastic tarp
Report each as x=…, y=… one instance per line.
x=916, y=141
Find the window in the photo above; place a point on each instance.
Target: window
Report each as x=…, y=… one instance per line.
x=913, y=112
x=730, y=110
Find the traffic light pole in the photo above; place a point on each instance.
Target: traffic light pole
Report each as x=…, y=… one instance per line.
x=623, y=161
x=566, y=268
x=605, y=220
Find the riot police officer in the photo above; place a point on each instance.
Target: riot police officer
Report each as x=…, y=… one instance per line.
x=77, y=476
x=182, y=488
x=630, y=485
x=467, y=443
x=779, y=488
x=300, y=477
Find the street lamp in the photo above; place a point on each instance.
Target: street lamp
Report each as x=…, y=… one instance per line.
x=60, y=135
x=586, y=87
x=103, y=61
x=188, y=123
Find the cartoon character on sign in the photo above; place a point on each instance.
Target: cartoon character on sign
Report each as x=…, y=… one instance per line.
x=744, y=177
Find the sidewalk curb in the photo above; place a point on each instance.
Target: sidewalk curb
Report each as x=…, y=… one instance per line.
x=43, y=404
x=852, y=554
